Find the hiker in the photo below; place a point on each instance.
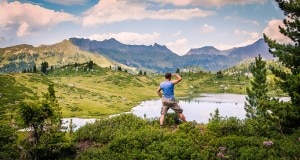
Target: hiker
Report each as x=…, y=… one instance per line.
x=168, y=98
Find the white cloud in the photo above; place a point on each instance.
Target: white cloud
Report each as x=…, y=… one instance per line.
x=272, y=31
x=176, y=34
x=241, y=44
x=110, y=11
x=242, y=20
x=23, y=18
x=207, y=29
x=215, y=3
x=180, y=46
x=23, y=29
x=128, y=37
x=252, y=35
x=68, y=2
x=245, y=37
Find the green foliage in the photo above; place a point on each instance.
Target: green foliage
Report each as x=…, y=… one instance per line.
x=239, y=147
x=219, y=74
x=129, y=137
x=35, y=116
x=34, y=70
x=140, y=72
x=8, y=139
x=119, y=68
x=215, y=117
x=258, y=90
x=90, y=65
x=46, y=140
x=226, y=126
x=50, y=98
x=44, y=66
x=105, y=130
x=288, y=55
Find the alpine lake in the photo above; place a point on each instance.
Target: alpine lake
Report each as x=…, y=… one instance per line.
x=198, y=109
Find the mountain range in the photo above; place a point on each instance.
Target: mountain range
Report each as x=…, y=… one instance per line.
x=110, y=52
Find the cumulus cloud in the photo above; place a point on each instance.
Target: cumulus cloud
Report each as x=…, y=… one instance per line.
x=215, y=3
x=207, y=29
x=25, y=18
x=68, y=2
x=272, y=31
x=110, y=11
x=179, y=46
x=128, y=37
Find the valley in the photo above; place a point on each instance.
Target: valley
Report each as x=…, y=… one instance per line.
x=101, y=92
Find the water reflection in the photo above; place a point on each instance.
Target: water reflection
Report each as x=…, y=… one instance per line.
x=199, y=109
x=195, y=109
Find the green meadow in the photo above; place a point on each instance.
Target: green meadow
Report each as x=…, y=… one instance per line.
x=100, y=92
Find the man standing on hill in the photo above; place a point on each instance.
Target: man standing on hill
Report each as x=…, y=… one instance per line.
x=168, y=98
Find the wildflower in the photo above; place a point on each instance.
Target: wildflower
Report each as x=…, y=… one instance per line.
x=222, y=149
x=268, y=143
x=220, y=155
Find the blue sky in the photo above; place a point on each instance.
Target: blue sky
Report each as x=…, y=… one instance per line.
x=178, y=24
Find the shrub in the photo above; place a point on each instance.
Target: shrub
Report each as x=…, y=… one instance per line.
x=228, y=126
x=104, y=130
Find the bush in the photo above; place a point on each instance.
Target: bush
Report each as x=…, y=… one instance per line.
x=238, y=147
x=103, y=131
x=8, y=147
x=225, y=127
x=129, y=137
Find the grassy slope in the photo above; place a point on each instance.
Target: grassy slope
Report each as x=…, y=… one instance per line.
x=102, y=91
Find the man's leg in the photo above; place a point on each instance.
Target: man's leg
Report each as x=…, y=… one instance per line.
x=179, y=111
x=161, y=120
x=163, y=112
x=182, y=117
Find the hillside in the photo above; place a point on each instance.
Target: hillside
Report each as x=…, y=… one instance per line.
x=103, y=91
x=17, y=58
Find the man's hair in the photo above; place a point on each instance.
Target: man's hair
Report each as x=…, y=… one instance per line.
x=168, y=75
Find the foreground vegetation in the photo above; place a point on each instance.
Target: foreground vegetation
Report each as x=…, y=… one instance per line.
x=270, y=131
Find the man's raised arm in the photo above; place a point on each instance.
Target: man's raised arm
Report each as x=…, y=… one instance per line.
x=178, y=78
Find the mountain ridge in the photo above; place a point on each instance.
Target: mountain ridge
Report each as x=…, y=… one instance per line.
x=110, y=52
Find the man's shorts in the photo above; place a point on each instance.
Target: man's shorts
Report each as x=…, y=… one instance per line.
x=166, y=104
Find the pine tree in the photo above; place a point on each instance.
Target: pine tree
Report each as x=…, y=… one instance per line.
x=258, y=91
x=119, y=68
x=44, y=67
x=289, y=56
x=52, y=101
x=90, y=65
x=140, y=72
x=34, y=68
